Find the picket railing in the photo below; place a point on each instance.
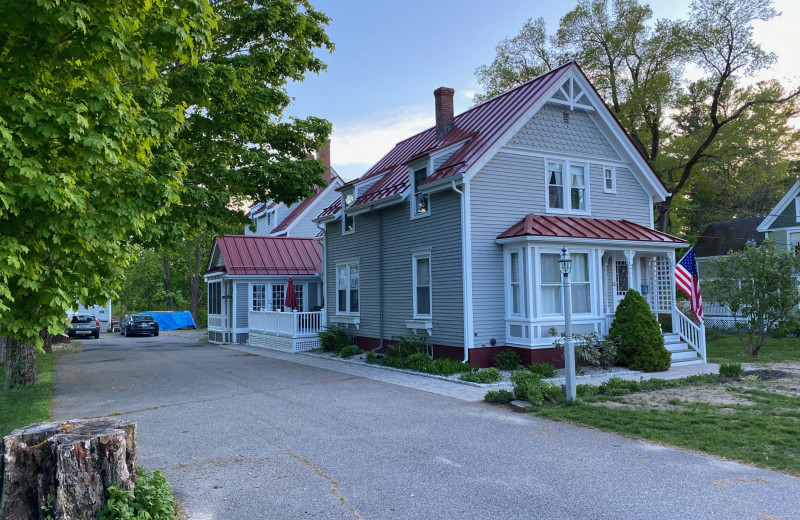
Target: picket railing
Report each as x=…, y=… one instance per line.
x=692, y=334
x=292, y=324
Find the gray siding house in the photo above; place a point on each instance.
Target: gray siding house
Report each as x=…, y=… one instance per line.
x=455, y=234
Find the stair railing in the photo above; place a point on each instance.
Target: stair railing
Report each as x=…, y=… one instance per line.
x=692, y=334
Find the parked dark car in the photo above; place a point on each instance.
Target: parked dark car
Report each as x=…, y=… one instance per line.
x=83, y=325
x=134, y=324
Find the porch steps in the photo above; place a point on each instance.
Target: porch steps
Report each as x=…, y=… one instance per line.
x=680, y=352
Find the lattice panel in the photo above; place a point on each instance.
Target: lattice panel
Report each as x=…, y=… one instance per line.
x=663, y=285
x=303, y=346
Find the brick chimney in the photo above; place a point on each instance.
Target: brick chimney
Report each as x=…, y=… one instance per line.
x=444, y=110
x=325, y=157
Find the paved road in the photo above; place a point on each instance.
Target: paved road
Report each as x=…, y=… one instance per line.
x=256, y=436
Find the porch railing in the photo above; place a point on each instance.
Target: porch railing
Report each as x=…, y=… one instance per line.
x=694, y=335
x=292, y=324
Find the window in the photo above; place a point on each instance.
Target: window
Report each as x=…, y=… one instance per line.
x=422, y=284
x=794, y=240
x=259, y=297
x=269, y=218
x=421, y=200
x=347, y=288
x=609, y=179
x=551, y=284
x=515, y=278
x=552, y=288
x=278, y=297
x=577, y=192
x=555, y=184
x=348, y=221
x=215, y=298
x=298, y=292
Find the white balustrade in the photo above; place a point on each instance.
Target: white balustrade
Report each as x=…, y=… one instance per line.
x=292, y=324
x=694, y=335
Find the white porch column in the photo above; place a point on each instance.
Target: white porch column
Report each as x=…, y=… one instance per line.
x=673, y=290
x=601, y=282
x=629, y=254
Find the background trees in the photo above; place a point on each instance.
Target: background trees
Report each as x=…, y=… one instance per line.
x=688, y=128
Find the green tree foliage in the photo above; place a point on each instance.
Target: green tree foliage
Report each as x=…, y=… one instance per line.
x=636, y=331
x=758, y=284
x=637, y=65
x=87, y=128
x=235, y=143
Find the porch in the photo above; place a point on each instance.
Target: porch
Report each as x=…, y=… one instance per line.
x=287, y=331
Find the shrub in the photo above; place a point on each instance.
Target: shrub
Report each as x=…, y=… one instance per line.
x=529, y=387
x=641, y=345
x=508, y=359
x=348, y=351
x=448, y=367
x=488, y=375
x=371, y=358
x=590, y=350
x=407, y=346
x=151, y=498
x=731, y=370
x=333, y=339
x=543, y=370
x=498, y=397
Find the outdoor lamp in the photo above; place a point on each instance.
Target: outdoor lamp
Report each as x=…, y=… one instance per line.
x=565, y=262
x=645, y=289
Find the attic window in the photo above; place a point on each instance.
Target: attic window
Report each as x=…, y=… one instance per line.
x=421, y=203
x=348, y=221
x=565, y=118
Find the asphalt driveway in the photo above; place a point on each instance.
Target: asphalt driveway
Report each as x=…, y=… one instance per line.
x=245, y=435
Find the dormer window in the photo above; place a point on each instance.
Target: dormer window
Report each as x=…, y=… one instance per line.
x=270, y=219
x=421, y=202
x=348, y=221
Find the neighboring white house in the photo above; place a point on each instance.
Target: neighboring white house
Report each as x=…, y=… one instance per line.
x=456, y=232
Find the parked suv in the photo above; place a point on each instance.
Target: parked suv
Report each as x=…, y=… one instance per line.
x=138, y=324
x=83, y=325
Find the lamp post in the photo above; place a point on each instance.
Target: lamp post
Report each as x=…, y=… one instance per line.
x=565, y=265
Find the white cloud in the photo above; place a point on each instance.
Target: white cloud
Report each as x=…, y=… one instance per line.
x=358, y=144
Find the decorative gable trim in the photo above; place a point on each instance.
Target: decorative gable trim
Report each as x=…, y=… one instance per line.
x=790, y=196
x=571, y=94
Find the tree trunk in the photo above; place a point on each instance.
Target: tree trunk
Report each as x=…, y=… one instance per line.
x=47, y=338
x=662, y=220
x=167, y=283
x=195, y=263
x=20, y=363
x=62, y=470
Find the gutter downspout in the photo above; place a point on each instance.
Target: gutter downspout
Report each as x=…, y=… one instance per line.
x=380, y=275
x=464, y=274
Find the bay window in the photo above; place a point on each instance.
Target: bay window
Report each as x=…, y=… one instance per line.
x=516, y=280
x=551, y=283
x=347, y=284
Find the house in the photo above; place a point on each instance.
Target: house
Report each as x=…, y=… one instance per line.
x=249, y=275
x=783, y=223
x=719, y=239
x=456, y=232
x=274, y=218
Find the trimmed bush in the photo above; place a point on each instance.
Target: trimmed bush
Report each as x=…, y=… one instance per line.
x=333, y=339
x=371, y=358
x=641, y=345
x=529, y=387
x=448, y=367
x=348, y=351
x=487, y=375
x=498, y=397
x=508, y=359
x=731, y=370
x=543, y=370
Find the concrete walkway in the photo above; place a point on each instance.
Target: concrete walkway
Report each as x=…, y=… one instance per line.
x=448, y=387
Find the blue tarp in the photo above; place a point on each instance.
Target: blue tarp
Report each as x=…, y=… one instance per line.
x=173, y=320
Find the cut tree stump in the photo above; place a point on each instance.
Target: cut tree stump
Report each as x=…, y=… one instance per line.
x=61, y=470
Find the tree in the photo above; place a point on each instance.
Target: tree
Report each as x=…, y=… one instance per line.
x=235, y=143
x=760, y=286
x=84, y=107
x=635, y=329
x=637, y=66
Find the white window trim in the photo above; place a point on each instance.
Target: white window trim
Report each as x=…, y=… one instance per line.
x=413, y=197
x=251, y=288
x=797, y=209
x=523, y=283
x=418, y=256
x=566, y=179
x=348, y=312
x=344, y=213
x=613, y=170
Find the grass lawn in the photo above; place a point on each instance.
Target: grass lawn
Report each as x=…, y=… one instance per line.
x=27, y=405
x=764, y=431
x=729, y=349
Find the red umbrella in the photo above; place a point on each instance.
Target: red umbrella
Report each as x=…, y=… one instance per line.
x=291, y=297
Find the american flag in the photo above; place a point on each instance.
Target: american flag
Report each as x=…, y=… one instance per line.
x=688, y=281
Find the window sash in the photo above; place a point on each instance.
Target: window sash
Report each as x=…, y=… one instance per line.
x=552, y=289
x=577, y=188
x=347, y=288
x=608, y=180
x=555, y=182
x=278, y=297
x=420, y=199
x=215, y=298
x=259, y=297
x=422, y=285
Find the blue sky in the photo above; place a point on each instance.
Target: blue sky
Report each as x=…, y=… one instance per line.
x=390, y=56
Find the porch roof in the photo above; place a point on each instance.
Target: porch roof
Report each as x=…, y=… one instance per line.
x=586, y=228
x=260, y=255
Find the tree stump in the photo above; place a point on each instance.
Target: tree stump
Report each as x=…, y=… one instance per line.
x=61, y=470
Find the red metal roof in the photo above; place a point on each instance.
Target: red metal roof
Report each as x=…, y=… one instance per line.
x=300, y=208
x=257, y=255
x=582, y=227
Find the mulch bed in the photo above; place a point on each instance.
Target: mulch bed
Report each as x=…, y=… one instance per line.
x=765, y=375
